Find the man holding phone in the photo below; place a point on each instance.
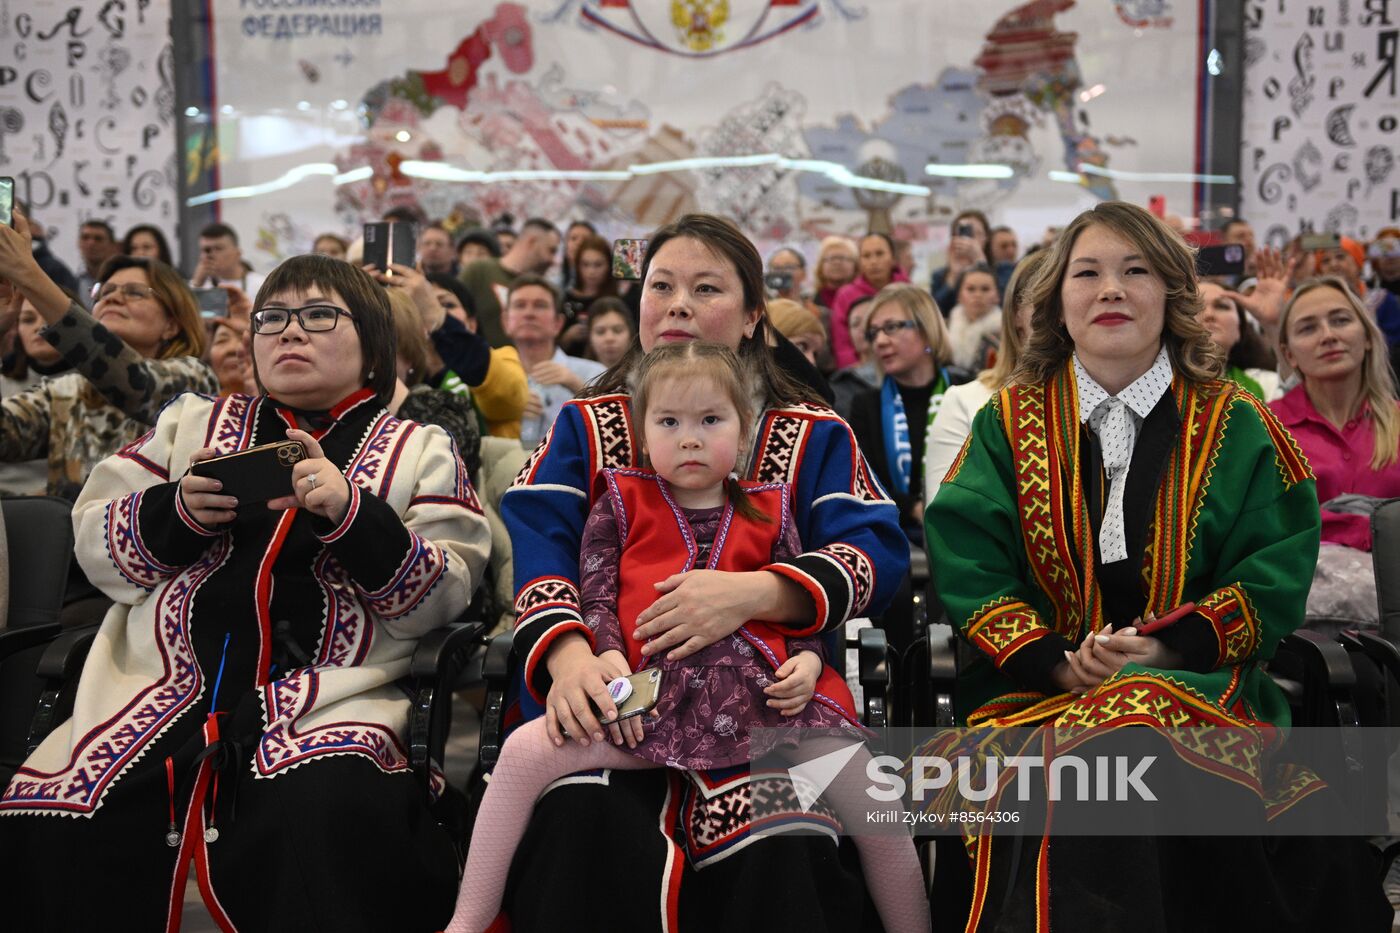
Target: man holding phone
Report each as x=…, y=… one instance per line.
x=221, y=261
x=489, y=280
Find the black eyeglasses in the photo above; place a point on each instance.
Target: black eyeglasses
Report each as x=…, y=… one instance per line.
x=312, y=318
x=889, y=329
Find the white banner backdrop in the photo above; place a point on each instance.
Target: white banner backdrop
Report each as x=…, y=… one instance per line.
x=1321, y=117
x=87, y=114
x=796, y=117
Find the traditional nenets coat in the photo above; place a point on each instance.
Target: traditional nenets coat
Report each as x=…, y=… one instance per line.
x=1220, y=510
x=683, y=844
x=239, y=709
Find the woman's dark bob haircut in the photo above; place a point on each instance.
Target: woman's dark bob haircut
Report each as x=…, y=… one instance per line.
x=364, y=298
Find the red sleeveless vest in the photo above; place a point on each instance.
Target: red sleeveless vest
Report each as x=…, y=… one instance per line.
x=657, y=542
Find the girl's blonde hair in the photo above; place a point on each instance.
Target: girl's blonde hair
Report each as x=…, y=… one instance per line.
x=699, y=359
x=1377, y=380
x=829, y=244
x=1193, y=354
x=918, y=304
x=1009, y=353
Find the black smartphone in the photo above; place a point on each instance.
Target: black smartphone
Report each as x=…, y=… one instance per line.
x=1226, y=259
x=777, y=281
x=965, y=230
x=256, y=474
x=627, y=259
x=377, y=245
x=1316, y=241
x=390, y=242
x=403, y=244
x=7, y=200
x=213, y=302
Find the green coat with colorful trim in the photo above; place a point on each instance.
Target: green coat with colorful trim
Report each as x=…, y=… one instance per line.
x=1234, y=528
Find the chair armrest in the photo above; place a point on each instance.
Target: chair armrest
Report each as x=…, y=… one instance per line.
x=943, y=677
x=437, y=659
x=873, y=671
x=59, y=665
x=437, y=648
x=496, y=671
x=65, y=656
x=1323, y=655
x=14, y=640
x=1327, y=676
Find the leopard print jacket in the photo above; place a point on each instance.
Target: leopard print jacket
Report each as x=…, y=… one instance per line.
x=112, y=398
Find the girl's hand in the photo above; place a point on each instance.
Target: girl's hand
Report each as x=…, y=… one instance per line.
x=201, y=495
x=629, y=730
x=797, y=682
x=697, y=609
x=577, y=676
x=328, y=496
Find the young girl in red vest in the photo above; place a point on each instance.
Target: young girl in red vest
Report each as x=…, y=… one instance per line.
x=688, y=512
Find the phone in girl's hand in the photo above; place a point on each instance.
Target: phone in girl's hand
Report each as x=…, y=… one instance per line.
x=646, y=690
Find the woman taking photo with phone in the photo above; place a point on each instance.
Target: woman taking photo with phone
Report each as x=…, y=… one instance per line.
x=239, y=705
x=702, y=279
x=137, y=349
x=1117, y=478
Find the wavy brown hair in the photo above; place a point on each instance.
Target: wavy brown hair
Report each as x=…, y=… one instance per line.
x=727, y=242
x=1193, y=354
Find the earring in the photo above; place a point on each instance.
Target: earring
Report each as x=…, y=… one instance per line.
x=928, y=349
x=371, y=375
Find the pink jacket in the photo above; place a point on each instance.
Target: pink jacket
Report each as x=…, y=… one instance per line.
x=1341, y=460
x=842, y=350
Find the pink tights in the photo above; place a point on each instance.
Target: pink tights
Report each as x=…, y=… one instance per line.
x=530, y=762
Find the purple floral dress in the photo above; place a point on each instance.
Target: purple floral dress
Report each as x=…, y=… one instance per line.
x=710, y=700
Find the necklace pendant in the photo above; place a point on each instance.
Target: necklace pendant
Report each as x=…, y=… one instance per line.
x=172, y=839
x=211, y=835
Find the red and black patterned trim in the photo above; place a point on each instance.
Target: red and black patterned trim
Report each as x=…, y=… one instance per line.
x=283, y=745
x=840, y=578
x=128, y=552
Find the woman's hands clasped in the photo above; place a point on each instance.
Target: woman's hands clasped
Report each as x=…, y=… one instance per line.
x=1103, y=654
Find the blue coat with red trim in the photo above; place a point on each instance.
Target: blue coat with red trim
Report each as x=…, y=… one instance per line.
x=854, y=557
